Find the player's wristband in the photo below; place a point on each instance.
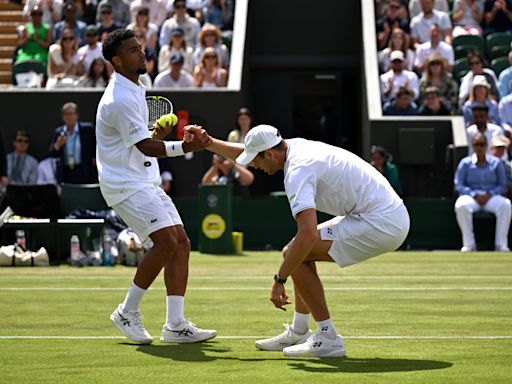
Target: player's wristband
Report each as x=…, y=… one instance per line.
x=174, y=148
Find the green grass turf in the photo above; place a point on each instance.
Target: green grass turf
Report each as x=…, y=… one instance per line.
x=409, y=294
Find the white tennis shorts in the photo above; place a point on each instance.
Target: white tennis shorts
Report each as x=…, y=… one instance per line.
x=148, y=210
x=358, y=237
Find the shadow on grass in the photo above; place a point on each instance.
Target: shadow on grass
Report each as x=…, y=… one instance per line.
x=210, y=351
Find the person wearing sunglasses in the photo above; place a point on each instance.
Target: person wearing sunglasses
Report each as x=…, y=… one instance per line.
x=63, y=61
x=35, y=39
x=182, y=19
x=389, y=22
x=21, y=167
x=476, y=65
x=480, y=181
x=208, y=73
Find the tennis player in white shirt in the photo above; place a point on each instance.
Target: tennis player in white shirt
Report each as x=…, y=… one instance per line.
x=130, y=183
x=370, y=219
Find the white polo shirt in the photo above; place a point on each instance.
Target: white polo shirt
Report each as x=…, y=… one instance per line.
x=333, y=180
x=121, y=122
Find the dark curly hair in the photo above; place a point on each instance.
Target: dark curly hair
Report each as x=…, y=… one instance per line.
x=113, y=42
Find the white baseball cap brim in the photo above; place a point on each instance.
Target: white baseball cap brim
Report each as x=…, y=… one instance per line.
x=258, y=139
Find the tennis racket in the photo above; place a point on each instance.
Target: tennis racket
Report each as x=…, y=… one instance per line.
x=157, y=107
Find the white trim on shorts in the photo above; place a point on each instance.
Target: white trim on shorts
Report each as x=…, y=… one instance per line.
x=358, y=237
x=148, y=210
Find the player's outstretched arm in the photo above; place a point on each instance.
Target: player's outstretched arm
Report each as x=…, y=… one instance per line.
x=224, y=148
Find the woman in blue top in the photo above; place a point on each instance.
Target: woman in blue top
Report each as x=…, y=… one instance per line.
x=480, y=181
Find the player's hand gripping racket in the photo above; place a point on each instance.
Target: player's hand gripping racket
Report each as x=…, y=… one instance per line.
x=158, y=106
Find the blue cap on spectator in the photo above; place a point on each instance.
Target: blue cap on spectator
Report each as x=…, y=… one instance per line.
x=177, y=58
x=177, y=31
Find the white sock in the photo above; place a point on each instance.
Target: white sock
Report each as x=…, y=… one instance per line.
x=326, y=327
x=300, y=323
x=133, y=298
x=175, y=314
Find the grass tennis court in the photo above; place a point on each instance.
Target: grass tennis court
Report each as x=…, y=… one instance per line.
x=407, y=317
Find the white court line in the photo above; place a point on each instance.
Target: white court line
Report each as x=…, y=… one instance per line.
x=266, y=277
x=262, y=289
x=394, y=337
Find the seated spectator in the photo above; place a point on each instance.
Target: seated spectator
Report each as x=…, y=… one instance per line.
x=97, y=77
x=505, y=112
x=382, y=161
x=421, y=24
x=397, y=77
x=480, y=95
x=398, y=42
x=225, y=171
x=208, y=73
x=120, y=12
x=432, y=104
x=35, y=39
x=209, y=36
x=47, y=171
x=157, y=11
x=415, y=7
x=434, y=46
x=150, y=56
x=390, y=22
x=505, y=79
x=402, y=104
x=476, y=64
x=177, y=44
x=436, y=75
x=106, y=23
x=74, y=143
x=90, y=51
x=149, y=29
x=467, y=15
x=499, y=149
x=497, y=16
x=166, y=177
x=176, y=76
x=243, y=125
x=70, y=21
x=480, y=180
x=482, y=126
x=190, y=25
x=21, y=167
x=52, y=10
x=63, y=61
x=219, y=13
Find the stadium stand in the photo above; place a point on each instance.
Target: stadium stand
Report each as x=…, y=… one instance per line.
x=10, y=17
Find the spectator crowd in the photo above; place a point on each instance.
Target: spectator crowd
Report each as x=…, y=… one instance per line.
x=187, y=43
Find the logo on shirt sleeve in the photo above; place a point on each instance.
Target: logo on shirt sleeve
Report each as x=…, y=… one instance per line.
x=133, y=129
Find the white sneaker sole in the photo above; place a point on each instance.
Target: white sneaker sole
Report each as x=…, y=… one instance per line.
x=187, y=341
x=332, y=353
x=260, y=344
x=121, y=329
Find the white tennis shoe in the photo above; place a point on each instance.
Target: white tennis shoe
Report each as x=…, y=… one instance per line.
x=186, y=332
x=318, y=345
x=285, y=339
x=130, y=325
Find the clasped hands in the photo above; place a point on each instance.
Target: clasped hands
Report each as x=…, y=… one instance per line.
x=196, y=137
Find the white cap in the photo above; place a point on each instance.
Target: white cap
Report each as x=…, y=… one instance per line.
x=397, y=55
x=480, y=80
x=500, y=141
x=258, y=139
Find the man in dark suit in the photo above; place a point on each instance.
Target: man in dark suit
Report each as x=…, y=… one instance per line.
x=74, y=143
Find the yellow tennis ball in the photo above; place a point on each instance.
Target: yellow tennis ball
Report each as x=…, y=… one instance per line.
x=174, y=119
x=164, y=120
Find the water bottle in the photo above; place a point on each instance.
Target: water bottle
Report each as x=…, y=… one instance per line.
x=106, y=255
x=74, y=247
x=21, y=240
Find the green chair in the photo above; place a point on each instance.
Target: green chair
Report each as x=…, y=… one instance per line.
x=497, y=39
x=86, y=196
x=498, y=51
x=460, y=65
x=461, y=51
x=469, y=40
x=499, y=64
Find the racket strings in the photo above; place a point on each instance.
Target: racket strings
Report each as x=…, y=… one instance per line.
x=157, y=109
